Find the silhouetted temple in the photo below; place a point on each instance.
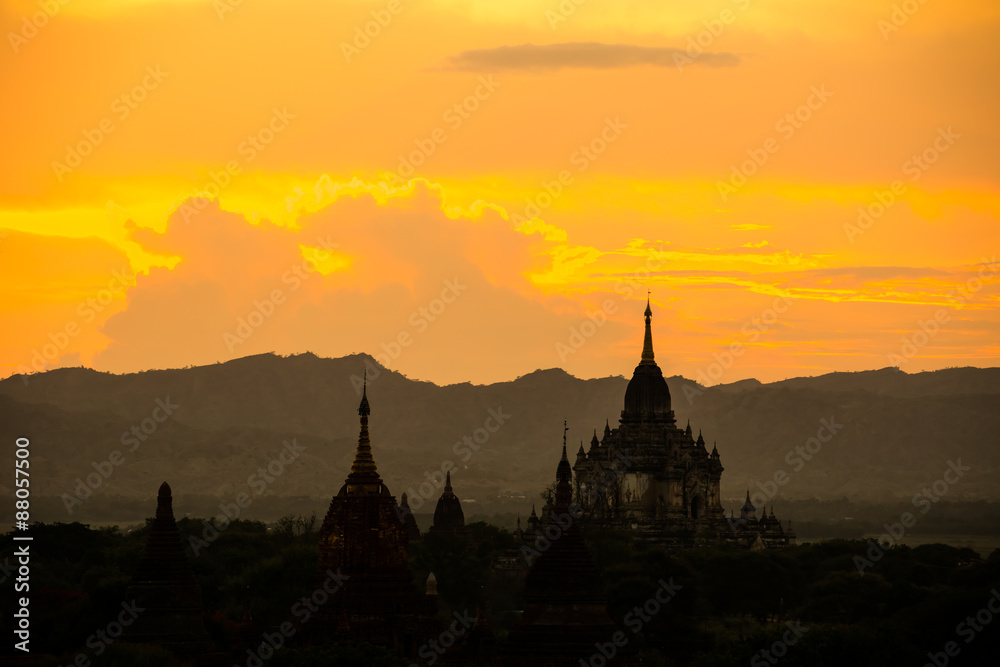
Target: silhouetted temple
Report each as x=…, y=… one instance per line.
x=409, y=521
x=564, y=610
x=763, y=533
x=364, y=540
x=165, y=589
x=448, y=514
x=654, y=477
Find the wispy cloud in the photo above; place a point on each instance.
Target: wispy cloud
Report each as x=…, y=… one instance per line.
x=590, y=55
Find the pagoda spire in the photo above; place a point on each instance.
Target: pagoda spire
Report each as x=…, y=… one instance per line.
x=363, y=470
x=647, y=343
x=564, y=477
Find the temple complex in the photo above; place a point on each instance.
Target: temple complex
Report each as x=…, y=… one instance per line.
x=564, y=610
x=165, y=589
x=655, y=478
x=364, y=539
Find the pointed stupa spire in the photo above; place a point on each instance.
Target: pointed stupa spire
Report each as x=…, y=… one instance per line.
x=581, y=454
x=647, y=343
x=447, y=482
x=687, y=429
x=701, y=439
x=364, y=475
x=607, y=428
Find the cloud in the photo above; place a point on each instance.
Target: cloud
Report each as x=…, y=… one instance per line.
x=409, y=284
x=592, y=55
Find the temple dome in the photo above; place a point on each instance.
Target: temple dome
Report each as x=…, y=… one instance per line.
x=647, y=395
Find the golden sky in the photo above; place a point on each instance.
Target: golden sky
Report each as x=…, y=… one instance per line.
x=472, y=190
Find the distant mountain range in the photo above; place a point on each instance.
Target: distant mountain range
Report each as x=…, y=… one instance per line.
x=229, y=421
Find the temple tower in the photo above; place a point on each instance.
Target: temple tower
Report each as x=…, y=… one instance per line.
x=165, y=588
x=364, y=538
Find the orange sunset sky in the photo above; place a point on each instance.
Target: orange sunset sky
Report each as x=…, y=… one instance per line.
x=471, y=187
